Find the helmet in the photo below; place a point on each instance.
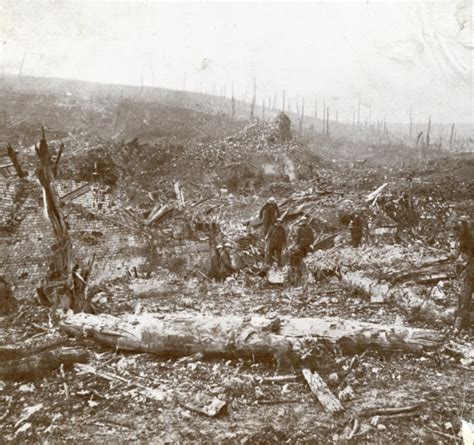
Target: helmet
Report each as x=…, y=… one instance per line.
x=464, y=218
x=219, y=246
x=271, y=200
x=227, y=244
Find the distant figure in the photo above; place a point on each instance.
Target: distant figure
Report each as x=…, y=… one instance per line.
x=464, y=235
x=465, y=270
x=296, y=257
x=276, y=242
x=304, y=241
x=226, y=266
x=215, y=271
x=304, y=236
x=269, y=214
x=356, y=227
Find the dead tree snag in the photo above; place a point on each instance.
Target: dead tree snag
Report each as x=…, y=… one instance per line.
x=16, y=162
x=69, y=288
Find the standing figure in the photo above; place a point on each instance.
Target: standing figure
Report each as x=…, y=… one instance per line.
x=304, y=237
x=356, y=227
x=269, y=214
x=276, y=242
x=226, y=267
x=464, y=235
x=304, y=241
x=215, y=270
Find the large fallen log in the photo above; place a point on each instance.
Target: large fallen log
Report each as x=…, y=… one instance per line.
x=39, y=365
x=181, y=335
x=235, y=336
x=405, y=298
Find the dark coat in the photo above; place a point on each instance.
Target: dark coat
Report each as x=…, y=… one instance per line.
x=304, y=237
x=226, y=267
x=269, y=213
x=277, y=236
x=215, y=270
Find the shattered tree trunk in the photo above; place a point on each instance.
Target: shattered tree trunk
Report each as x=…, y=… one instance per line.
x=235, y=336
x=16, y=162
x=74, y=283
x=58, y=159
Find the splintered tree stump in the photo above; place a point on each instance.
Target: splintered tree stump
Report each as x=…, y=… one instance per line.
x=72, y=293
x=8, y=302
x=39, y=365
x=236, y=336
x=16, y=162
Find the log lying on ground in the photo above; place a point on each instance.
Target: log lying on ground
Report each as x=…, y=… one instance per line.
x=11, y=352
x=181, y=335
x=405, y=298
x=234, y=336
x=39, y=365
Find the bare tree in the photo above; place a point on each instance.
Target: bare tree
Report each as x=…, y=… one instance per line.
x=254, y=99
x=428, y=133
x=327, y=122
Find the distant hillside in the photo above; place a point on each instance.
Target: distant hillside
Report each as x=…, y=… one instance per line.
x=87, y=91
x=111, y=112
x=76, y=93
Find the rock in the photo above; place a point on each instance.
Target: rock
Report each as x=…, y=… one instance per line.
x=437, y=293
x=377, y=299
x=346, y=394
x=381, y=427
x=374, y=420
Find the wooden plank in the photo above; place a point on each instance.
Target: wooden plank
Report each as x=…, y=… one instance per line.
x=375, y=193
x=319, y=388
x=8, y=170
x=71, y=196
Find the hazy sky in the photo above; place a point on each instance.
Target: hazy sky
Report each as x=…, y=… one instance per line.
x=391, y=55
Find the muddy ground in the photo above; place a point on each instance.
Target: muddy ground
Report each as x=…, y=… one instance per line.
x=72, y=405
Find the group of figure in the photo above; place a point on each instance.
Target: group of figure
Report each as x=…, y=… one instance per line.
x=276, y=239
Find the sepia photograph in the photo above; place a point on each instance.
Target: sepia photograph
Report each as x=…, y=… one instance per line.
x=236, y=222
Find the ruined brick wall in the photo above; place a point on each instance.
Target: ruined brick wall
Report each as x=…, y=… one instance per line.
x=25, y=245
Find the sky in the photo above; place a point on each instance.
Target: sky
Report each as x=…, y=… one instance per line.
x=389, y=56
